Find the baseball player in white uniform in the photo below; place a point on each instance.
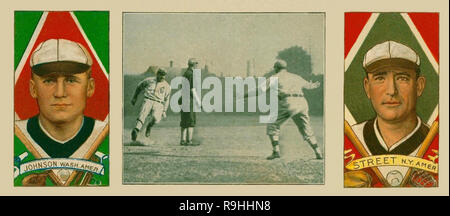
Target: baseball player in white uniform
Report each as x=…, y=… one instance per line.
x=291, y=104
x=156, y=101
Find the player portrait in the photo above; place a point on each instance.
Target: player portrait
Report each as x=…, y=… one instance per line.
x=216, y=98
x=391, y=96
x=61, y=98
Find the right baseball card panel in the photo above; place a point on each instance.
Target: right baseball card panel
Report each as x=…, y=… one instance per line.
x=223, y=98
x=391, y=96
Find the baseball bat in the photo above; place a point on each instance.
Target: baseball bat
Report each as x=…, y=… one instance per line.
x=34, y=152
x=91, y=151
x=434, y=129
x=359, y=147
x=52, y=175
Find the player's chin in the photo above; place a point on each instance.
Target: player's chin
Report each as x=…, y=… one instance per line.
x=391, y=115
x=62, y=117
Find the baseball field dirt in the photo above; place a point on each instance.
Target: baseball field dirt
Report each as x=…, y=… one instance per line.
x=232, y=150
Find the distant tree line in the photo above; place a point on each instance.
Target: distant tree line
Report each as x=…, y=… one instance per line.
x=298, y=60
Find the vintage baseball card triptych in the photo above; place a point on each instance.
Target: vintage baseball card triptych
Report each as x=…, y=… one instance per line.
x=313, y=99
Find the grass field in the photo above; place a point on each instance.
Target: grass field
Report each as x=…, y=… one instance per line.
x=232, y=150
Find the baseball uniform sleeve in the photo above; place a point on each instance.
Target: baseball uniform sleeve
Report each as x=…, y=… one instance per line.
x=139, y=88
x=190, y=78
x=167, y=98
x=307, y=85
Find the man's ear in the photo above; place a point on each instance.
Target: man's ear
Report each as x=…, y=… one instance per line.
x=366, y=86
x=33, y=92
x=420, y=85
x=91, y=87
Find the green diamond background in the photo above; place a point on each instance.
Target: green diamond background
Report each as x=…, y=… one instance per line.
x=94, y=23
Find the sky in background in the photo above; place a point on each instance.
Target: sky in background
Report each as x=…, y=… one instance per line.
x=224, y=41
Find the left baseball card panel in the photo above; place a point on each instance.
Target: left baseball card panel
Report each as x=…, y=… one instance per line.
x=61, y=98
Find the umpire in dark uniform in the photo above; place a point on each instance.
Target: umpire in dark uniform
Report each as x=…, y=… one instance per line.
x=188, y=118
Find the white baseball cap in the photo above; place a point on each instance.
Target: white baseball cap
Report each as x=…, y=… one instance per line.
x=390, y=54
x=60, y=55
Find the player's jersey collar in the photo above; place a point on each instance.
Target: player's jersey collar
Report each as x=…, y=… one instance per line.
x=55, y=149
x=405, y=148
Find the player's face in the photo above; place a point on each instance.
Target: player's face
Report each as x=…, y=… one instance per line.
x=160, y=77
x=62, y=98
x=195, y=65
x=394, y=93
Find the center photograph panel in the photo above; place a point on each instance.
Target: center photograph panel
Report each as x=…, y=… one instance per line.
x=223, y=98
